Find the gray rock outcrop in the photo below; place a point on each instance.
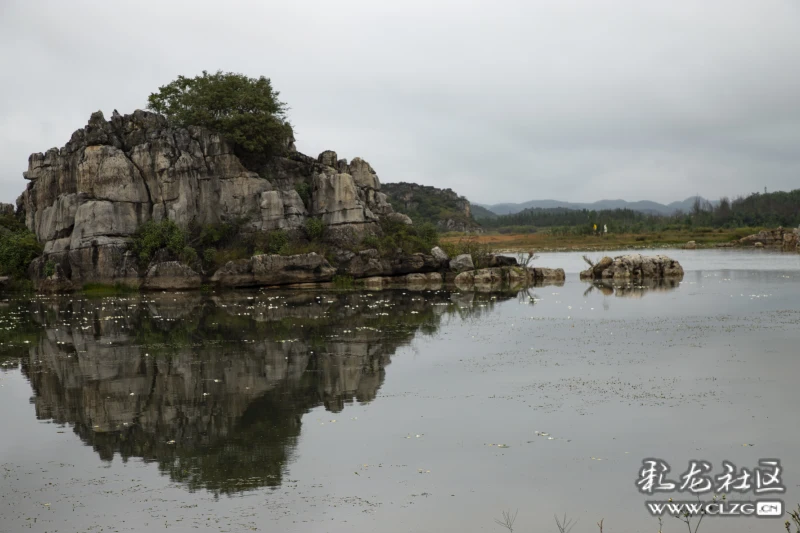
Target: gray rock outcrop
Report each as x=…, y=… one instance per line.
x=440, y=255
x=497, y=277
x=85, y=200
x=172, y=275
x=634, y=267
x=274, y=270
x=369, y=263
x=462, y=263
x=785, y=238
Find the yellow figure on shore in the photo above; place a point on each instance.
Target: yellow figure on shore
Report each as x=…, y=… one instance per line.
x=594, y=228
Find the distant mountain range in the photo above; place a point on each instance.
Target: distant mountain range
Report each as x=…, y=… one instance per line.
x=644, y=206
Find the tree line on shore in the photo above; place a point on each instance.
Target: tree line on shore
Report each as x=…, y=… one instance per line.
x=756, y=210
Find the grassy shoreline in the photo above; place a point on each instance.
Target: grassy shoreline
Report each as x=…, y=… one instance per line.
x=547, y=242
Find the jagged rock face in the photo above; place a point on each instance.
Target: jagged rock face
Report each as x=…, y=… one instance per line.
x=86, y=199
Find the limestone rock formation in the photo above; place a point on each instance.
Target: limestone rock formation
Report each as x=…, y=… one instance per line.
x=785, y=238
x=494, y=278
x=502, y=260
x=548, y=274
x=369, y=263
x=274, y=270
x=462, y=263
x=85, y=200
x=440, y=255
x=171, y=275
x=634, y=267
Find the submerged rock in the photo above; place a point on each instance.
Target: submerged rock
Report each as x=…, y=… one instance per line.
x=634, y=266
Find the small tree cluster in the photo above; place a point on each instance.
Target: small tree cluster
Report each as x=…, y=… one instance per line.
x=244, y=110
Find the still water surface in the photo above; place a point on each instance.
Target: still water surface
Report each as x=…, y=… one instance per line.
x=383, y=411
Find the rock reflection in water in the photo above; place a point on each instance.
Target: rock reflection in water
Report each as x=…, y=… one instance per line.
x=213, y=388
x=636, y=289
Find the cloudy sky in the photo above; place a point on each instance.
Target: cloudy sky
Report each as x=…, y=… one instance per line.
x=499, y=100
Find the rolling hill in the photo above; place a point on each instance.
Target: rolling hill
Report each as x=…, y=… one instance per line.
x=645, y=206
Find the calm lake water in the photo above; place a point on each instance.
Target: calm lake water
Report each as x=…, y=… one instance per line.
x=383, y=411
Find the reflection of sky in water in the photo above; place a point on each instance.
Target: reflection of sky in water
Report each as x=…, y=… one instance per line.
x=389, y=424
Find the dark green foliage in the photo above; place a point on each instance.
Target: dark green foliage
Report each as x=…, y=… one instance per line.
x=479, y=213
x=398, y=237
x=277, y=242
x=151, y=237
x=188, y=255
x=244, y=110
x=427, y=204
x=343, y=282
x=304, y=191
x=480, y=252
x=314, y=229
x=757, y=210
x=49, y=269
x=18, y=247
x=214, y=234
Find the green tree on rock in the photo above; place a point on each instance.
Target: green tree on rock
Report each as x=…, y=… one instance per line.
x=246, y=111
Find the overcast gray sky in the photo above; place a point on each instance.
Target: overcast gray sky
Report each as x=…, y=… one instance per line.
x=500, y=100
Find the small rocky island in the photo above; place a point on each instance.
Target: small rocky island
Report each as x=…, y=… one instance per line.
x=315, y=218
x=633, y=267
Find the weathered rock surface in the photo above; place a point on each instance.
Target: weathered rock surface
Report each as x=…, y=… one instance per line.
x=56, y=282
x=634, y=267
x=548, y=274
x=502, y=260
x=369, y=263
x=495, y=277
x=274, y=270
x=440, y=255
x=785, y=238
x=84, y=200
x=691, y=245
x=171, y=275
x=462, y=263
